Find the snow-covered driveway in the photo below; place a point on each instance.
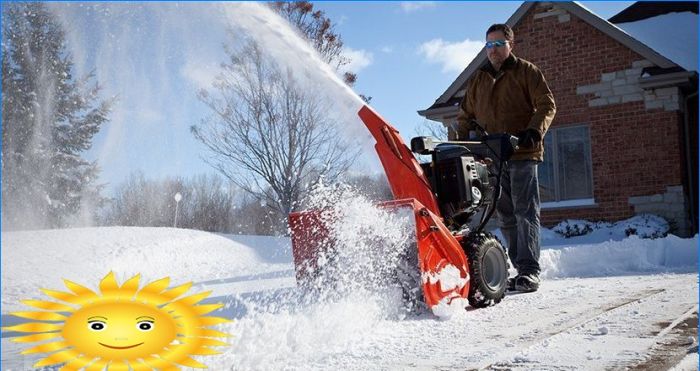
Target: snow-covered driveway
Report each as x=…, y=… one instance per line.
x=635, y=306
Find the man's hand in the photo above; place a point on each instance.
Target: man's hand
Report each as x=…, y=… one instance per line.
x=528, y=138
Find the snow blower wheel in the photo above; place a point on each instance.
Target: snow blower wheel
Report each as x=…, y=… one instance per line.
x=488, y=266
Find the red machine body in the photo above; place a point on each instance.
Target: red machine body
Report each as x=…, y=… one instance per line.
x=437, y=247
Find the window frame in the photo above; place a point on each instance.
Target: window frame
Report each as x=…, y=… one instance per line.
x=554, y=153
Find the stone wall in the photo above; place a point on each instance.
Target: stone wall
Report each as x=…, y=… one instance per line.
x=670, y=205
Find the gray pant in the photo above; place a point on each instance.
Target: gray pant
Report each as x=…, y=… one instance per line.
x=518, y=211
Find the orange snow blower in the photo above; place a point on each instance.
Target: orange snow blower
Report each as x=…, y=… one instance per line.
x=454, y=259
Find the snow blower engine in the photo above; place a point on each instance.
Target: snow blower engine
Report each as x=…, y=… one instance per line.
x=455, y=259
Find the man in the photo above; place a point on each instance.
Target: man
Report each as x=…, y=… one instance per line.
x=510, y=95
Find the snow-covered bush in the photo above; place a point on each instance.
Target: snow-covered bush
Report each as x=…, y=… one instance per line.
x=645, y=226
x=573, y=227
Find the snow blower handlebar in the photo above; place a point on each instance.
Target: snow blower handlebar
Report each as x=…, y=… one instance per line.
x=460, y=174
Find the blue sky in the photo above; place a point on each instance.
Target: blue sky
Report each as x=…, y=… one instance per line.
x=155, y=56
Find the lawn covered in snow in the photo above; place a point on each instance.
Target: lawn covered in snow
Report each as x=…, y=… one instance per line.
x=603, y=295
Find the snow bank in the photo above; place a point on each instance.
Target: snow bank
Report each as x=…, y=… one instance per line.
x=631, y=255
x=41, y=259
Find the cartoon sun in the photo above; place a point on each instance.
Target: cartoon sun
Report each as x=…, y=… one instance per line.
x=124, y=328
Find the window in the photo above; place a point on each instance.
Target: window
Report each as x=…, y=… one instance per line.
x=566, y=173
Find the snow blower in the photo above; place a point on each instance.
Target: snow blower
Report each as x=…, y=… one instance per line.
x=454, y=259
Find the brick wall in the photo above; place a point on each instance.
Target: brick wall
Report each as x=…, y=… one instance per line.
x=635, y=149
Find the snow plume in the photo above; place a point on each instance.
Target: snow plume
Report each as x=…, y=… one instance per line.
x=351, y=294
x=257, y=22
x=155, y=57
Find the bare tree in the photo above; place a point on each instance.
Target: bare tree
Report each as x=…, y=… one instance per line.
x=207, y=203
x=318, y=29
x=268, y=134
x=433, y=129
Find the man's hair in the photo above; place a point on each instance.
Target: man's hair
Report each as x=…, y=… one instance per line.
x=507, y=31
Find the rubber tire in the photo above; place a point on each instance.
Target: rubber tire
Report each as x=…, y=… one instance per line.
x=486, y=291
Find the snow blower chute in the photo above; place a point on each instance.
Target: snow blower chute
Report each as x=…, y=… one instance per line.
x=462, y=180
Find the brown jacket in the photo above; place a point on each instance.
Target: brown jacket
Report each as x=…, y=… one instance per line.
x=511, y=100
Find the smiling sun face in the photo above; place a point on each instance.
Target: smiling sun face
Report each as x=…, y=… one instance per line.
x=119, y=330
x=123, y=328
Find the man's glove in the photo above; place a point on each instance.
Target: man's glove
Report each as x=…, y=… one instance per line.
x=528, y=138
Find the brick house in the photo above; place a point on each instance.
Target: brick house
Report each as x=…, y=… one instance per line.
x=624, y=139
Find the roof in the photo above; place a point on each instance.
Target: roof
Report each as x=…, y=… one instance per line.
x=668, y=34
x=575, y=8
x=647, y=9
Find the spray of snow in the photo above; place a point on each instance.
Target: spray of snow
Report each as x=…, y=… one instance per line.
x=353, y=290
x=182, y=46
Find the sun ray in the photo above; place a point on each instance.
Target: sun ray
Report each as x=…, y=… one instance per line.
x=98, y=365
x=160, y=363
x=138, y=365
x=58, y=357
x=131, y=286
x=109, y=286
x=212, y=321
x=206, y=308
x=177, y=291
x=80, y=290
x=156, y=287
x=76, y=364
x=194, y=299
x=204, y=351
x=118, y=366
x=213, y=333
x=151, y=293
x=48, y=305
x=37, y=337
x=64, y=296
x=197, y=310
x=34, y=327
x=47, y=348
x=213, y=342
x=177, y=355
x=40, y=316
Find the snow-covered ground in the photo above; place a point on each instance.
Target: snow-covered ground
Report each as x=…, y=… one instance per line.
x=606, y=302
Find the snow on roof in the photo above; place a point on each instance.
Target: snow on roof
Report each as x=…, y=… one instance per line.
x=672, y=35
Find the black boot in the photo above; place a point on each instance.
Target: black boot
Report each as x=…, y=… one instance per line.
x=527, y=282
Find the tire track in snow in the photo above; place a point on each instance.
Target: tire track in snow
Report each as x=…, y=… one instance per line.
x=639, y=332
x=505, y=357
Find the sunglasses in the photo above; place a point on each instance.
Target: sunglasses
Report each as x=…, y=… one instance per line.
x=497, y=43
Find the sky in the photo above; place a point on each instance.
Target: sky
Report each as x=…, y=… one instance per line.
x=154, y=57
